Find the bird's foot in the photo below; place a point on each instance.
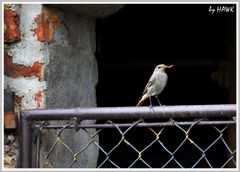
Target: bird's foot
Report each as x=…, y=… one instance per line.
x=151, y=108
x=172, y=120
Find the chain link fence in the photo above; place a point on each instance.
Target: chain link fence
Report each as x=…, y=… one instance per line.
x=169, y=137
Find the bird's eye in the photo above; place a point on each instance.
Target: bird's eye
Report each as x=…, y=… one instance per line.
x=159, y=67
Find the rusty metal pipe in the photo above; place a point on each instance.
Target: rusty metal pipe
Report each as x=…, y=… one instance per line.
x=108, y=113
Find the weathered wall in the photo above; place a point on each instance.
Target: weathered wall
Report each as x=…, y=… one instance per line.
x=71, y=77
x=72, y=70
x=23, y=56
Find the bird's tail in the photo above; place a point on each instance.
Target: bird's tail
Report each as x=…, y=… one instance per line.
x=144, y=97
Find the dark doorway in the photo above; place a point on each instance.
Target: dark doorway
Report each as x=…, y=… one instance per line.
x=201, y=45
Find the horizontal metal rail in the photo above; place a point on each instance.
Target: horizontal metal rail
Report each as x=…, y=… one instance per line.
x=126, y=125
x=108, y=113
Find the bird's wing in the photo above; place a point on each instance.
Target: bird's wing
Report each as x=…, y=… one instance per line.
x=149, y=84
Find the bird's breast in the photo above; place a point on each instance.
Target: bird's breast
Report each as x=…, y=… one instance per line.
x=158, y=85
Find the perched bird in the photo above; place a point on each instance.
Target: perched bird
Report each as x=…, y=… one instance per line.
x=155, y=85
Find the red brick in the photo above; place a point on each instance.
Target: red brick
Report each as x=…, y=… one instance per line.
x=18, y=100
x=10, y=120
x=11, y=23
x=47, y=22
x=38, y=98
x=16, y=70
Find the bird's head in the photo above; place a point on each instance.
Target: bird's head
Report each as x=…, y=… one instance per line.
x=162, y=67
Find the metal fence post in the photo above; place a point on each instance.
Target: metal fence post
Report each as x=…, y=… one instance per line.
x=25, y=141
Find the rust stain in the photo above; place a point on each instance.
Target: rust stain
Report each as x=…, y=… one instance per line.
x=18, y=100
x=38, y=98
x=16, y=70
x=11, y=26
x=47, y=23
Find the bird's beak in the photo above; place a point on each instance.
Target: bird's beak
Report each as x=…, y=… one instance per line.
x=169, y=66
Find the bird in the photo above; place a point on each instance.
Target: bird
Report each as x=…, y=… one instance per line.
x=155, y=85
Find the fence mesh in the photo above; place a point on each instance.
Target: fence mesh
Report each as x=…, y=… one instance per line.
x=173, y=143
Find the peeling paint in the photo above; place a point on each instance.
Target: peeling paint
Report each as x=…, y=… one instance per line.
x=15, y=70
x=47, y=23
x=27, y=88
x=28, y=50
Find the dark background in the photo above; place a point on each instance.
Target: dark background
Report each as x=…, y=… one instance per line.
x=201, y=45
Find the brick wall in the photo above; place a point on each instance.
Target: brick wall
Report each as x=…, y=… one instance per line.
x=27, y=29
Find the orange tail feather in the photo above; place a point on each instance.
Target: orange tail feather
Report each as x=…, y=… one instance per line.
x=144, y=97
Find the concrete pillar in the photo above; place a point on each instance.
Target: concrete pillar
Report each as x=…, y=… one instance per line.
x=71, y=77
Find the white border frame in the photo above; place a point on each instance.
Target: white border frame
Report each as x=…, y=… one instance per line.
x=122, y=2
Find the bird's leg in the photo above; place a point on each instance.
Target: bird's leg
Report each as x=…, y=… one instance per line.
x=151, y=106
x=150, y=100
x=158, y=101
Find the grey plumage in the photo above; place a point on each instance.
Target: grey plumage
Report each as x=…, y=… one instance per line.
x=156, y=83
